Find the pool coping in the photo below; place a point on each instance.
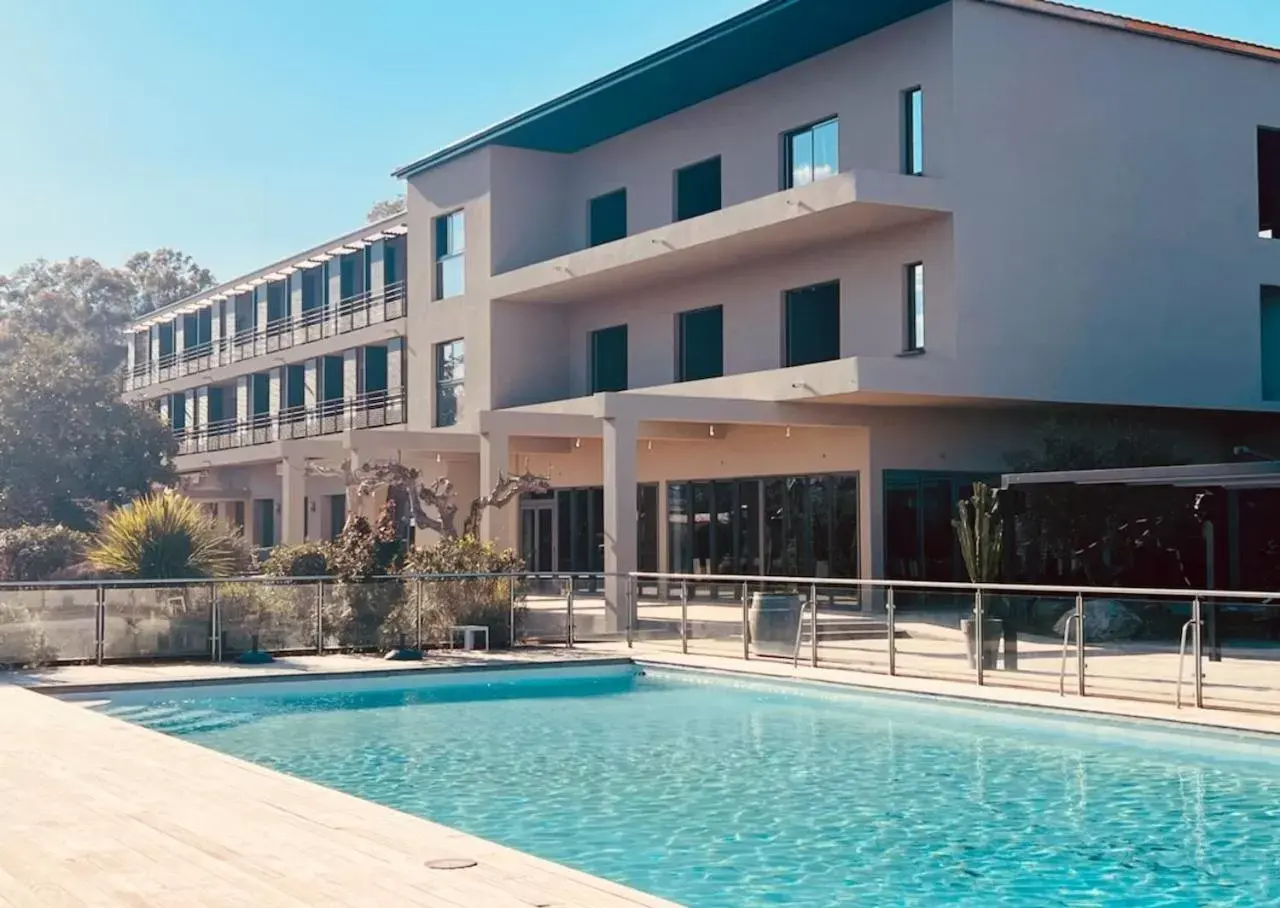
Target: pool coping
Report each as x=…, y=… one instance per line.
x=294, y=677
x=1265, y=725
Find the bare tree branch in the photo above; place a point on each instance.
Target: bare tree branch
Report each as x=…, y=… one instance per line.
x=504, y=490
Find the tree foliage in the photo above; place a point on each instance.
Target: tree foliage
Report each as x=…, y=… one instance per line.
x=38, y=553
x=163, y=277
x=68, y=442
x=385, y=209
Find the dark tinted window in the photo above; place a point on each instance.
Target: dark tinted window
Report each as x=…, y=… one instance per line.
x=812, y=328
x=609, y=359
x=698, y=189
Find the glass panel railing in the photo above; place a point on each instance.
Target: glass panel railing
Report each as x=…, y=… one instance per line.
x=155, y=621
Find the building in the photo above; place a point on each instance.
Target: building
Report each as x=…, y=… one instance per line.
x=769, y=299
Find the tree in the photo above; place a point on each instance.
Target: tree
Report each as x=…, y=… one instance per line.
x=165, y=536
x=163, y=277
x=67, y=441
x=385, y=209
x=411, y=495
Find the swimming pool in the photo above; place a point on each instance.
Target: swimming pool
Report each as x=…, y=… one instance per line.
x=716, y=791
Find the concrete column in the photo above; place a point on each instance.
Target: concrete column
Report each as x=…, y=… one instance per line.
x=333, y=267
x=311, y=392
x=260, y=308
x=350, y=381
x=870, y=516
x=250, y=521
x=202, y=412
x=244, y=408
x=275, y=395
x=294, y=304
x=495, y=460
x=215, y=332
x=620, y=517
x=179, y=342
x=397, y=409
x=293, y=493
x=153, y=343
x=230, y=303
x=377, y=279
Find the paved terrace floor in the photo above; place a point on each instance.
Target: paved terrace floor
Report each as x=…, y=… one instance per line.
x=97, y=812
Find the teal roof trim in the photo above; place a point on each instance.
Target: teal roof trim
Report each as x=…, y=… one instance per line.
x=763, y=40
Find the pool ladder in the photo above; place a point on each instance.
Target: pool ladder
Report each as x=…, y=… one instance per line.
x=1195, y=627
x=812, y=606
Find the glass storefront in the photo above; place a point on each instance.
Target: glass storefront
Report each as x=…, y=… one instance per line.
x=563, y=530
x=919, y=541
x=779, y=525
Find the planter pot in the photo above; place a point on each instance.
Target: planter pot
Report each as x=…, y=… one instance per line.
x=772, y=622
x=992, y=632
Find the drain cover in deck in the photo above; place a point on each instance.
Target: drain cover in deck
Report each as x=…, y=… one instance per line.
x=451, y=864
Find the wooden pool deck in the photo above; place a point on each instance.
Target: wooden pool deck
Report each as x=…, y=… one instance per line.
x=97, y=812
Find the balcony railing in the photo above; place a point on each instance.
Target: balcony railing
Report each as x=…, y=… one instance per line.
x=370, y=410
x=279, y=334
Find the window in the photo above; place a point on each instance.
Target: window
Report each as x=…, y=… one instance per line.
x=178, y=412
x=1271, y=343
x=450, y=381
x=811, y=154
x=914, y=308
x=812, y=324
x=332, y=380
x=700, y=344
x=913, y=132
x=919, y=540
x=608, y=355
x=393, y=261
x=607, y=218
x=451, y=246
x=237, y=515
x=295, y=388
x=261, y=394
x=337, y=515
x=1269, y=183
x=246, y=316
x=166, y=333
x=264, y=523
x=698, y=189
x=375, y=369
x=312, y=288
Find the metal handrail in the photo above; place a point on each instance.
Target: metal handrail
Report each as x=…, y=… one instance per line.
x=1073, y=620
x=1091, y=591
x=1195, y=626
x=222, y=350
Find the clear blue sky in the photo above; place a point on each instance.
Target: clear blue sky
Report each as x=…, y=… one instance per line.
x=243, y=130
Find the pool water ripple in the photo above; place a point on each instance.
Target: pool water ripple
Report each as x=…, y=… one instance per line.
x=717, y=794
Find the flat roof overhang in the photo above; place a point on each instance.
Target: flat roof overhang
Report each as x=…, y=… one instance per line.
x=1253, y=475
x=763, y=40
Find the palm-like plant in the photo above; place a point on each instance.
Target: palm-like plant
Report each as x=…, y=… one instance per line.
x=164, y=536
x=978, y=530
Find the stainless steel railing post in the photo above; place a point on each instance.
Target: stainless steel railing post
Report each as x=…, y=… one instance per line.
x=215, y=624
x=417, y=614
x=1080, y=667
x=100, y=619
x=889, y=609
x=684, y=616
x=1197, y=637
x=746, y=624
x=813, y=625
x=568, y=618
x=320, y=618
x=511, y=597
x=978, y=643
x=632, y=603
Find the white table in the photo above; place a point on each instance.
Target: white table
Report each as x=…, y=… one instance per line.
x=469, y=634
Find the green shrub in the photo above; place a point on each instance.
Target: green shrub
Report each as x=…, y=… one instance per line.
x=35, y=553
x=166, y=536
x=478, y=600
x=306, y=559
x=362, y=612
x=282, y=616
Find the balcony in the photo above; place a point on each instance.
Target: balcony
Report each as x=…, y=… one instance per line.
x=372, y=410
x=849, y=204
x=281, y=334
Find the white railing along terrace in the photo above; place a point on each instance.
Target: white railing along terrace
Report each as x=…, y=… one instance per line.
x=314, y=324
x=371, y=410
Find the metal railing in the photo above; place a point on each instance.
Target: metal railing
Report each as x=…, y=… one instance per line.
x=371, y=410
x=125, y=621
x=1128, y=642
x=351, y=314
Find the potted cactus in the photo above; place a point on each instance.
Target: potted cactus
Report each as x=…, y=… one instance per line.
x=979, y=532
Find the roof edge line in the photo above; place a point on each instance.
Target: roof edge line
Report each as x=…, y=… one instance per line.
x=684, y=46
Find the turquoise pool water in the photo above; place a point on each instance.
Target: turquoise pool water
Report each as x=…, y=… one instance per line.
x=720, y=793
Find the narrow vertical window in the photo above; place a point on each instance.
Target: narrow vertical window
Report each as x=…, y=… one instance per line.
x=450, y=248
x=450, y=382
x=915, y=308
x=698, y=189
x=700, y=344
x=811, y=324
x=609, y=359
x=811, y=154
x=913, y=132
x=607, y=218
